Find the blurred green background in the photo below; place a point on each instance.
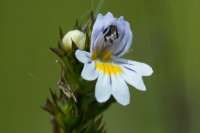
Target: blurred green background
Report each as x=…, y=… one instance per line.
x=166, y=36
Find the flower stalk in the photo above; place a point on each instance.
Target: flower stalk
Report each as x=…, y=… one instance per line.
x=72, y=106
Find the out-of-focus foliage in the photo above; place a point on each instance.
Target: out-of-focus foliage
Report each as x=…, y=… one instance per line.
x=166, y=36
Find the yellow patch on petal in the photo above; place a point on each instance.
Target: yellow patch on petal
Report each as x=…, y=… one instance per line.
x=104, y=56
x=108, y=68
x=94, y=55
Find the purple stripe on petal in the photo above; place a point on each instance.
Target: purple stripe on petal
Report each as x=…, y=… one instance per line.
x=121, y=49
x=121, y=62
x=87, y=56
x=122, y=36
x=125, y=63
x=93, y=45
x=110, y=79
x=102, y=30
x=130, y=69
x=89, y=62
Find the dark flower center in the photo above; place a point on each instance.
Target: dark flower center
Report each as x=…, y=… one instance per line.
x=110, y=33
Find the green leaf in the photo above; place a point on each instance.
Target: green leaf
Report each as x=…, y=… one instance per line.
x=61, y=33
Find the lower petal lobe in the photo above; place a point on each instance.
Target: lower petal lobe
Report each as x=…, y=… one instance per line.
x=103, y=87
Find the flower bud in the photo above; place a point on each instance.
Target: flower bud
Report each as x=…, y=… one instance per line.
x=77, y=37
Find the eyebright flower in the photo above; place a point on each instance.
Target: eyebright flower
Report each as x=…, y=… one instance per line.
x=78, y=37
x=111, y=38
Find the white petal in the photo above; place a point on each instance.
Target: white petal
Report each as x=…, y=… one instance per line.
x=134, y=78
x=89, y=71
x=143, y=69
x=125, y=37
x=97, y=28
x=108, y=19
x=120, y=23
x=109, y=15
x=101, y=23
x=82, y=56
x=103, y=87
x=120, y=90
